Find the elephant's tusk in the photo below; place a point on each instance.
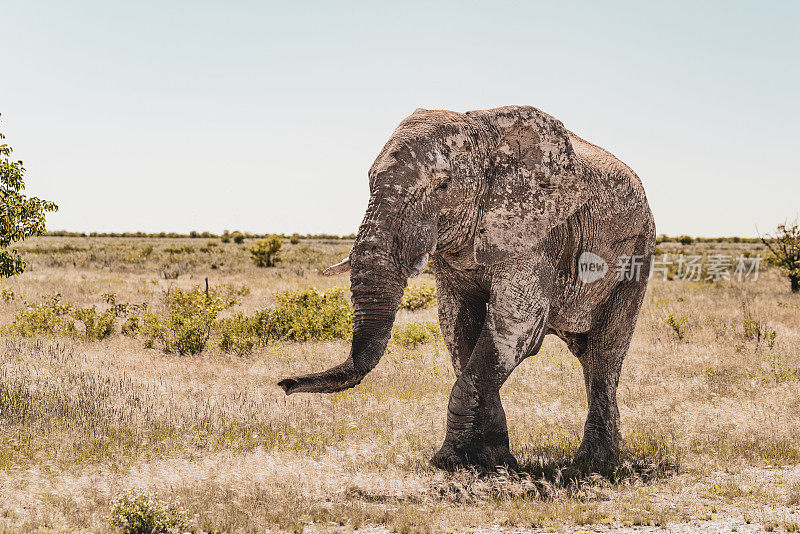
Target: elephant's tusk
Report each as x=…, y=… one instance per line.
x=341, y=267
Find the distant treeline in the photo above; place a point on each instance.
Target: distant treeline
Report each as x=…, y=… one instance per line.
x=688, y=240
x=683, y=239
x=193, y=234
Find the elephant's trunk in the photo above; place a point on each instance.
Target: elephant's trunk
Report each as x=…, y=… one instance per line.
x=375, y=301
x=381, y=261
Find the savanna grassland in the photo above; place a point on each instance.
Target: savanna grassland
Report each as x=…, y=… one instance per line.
x=709, y=400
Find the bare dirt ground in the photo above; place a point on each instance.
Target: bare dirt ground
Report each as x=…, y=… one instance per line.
x=710, y=407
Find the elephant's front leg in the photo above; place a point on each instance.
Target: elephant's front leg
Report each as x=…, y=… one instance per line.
x=462, y=312
x=515, y=325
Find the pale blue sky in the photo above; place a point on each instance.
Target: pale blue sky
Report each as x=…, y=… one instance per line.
x=265, y=117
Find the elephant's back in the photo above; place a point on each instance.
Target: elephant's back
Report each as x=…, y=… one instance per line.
x=615, y=185
x=616, y=222
x=596, y=156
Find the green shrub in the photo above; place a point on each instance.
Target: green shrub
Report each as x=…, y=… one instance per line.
x=123, y=309
x=96, y=326
x=678, y=325
x=142, y=512
x=53, y=317
x=172, y=270
x=416, y=334
x=418, y=296
x=240, y=333
x=784, y=249
x=130, y=327
x=225, y=237
x=294, y=239
x=185, y=249
x=298, y=315
x=7, y=294
x=48, y=318
x=311, y=314
x=189, y=318
x=208, y=247
x=313, y=257
x=238, y=237
x=266, y=252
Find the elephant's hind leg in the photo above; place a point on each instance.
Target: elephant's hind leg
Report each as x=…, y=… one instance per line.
x=601, y=353
x=477, y=433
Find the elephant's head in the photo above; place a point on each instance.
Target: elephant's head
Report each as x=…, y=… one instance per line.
x=499, y=179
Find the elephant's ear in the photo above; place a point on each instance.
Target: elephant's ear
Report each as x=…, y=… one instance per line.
x=534, y=184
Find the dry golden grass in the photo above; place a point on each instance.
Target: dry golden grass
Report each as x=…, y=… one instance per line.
x=81, y=421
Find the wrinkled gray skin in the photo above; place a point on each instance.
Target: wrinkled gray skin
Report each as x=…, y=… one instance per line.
x=504, y=201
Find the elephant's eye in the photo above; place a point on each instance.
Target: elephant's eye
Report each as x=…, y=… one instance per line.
x=443, y=184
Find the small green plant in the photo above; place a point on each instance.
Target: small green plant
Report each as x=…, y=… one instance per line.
x=771, y=335
x=142, y=512
x=238, y=237
x=266, y=252
x=7, y=294
x=752, y=328
x=225, y=237
x=311, y=314
x=416, y=334
x=189, y=318
x=294, y=239
x=678, y=325
x=720, y=327
x=755, y=330
x=418, y=296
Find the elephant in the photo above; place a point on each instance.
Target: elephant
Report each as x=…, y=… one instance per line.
x=529, y=230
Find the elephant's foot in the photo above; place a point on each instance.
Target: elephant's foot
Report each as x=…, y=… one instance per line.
x=484, y=456
x=597, y=456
